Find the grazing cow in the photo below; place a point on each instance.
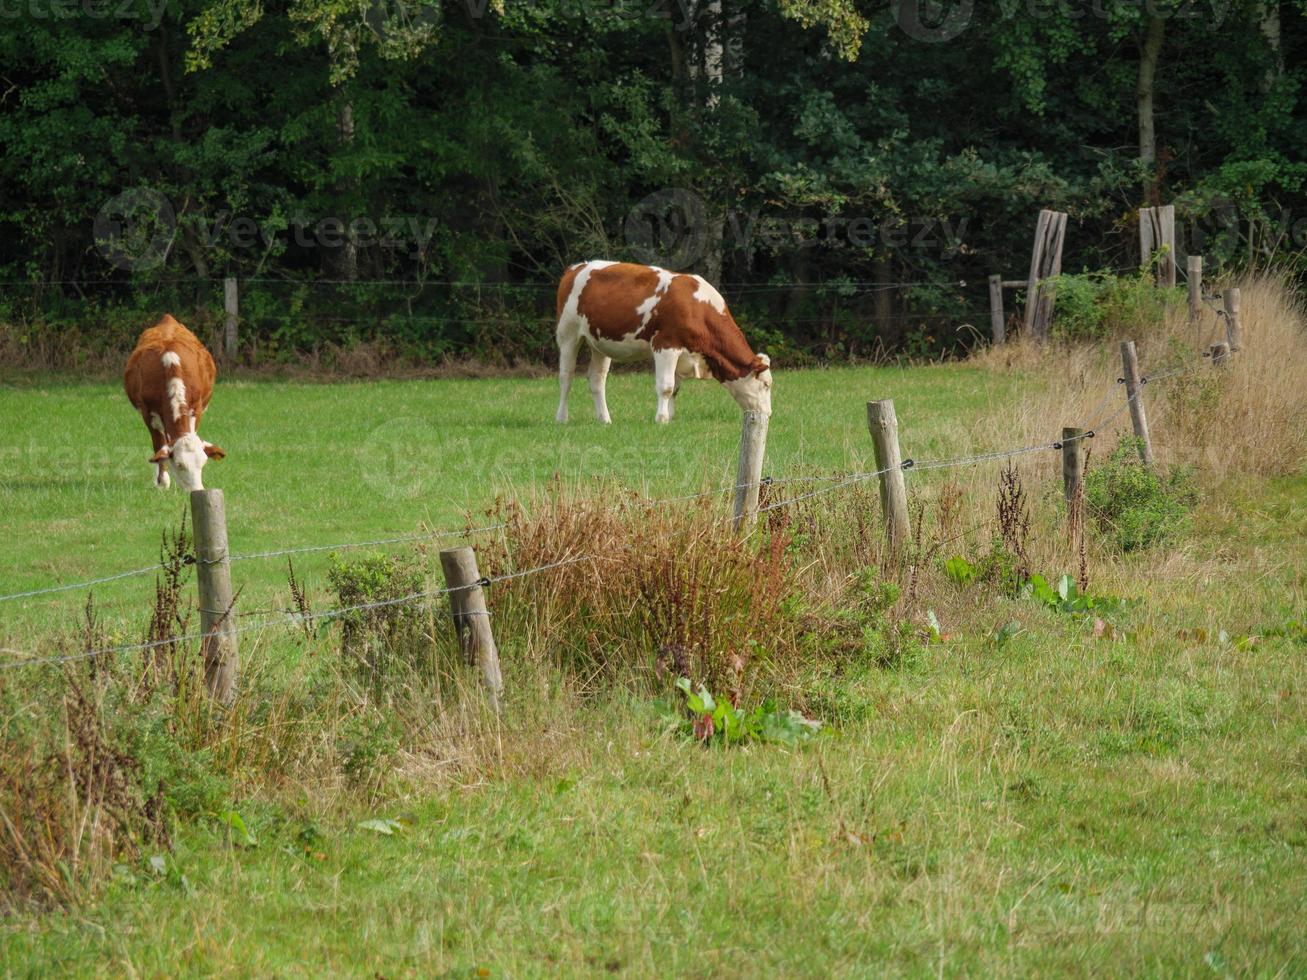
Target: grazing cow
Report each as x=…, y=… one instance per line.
x=625, y=312
x=169, y=378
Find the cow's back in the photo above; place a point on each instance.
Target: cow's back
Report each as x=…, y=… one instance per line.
x=149, y=370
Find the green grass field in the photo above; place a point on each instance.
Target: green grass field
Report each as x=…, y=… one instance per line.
x=313, y=464
x=1063, y=803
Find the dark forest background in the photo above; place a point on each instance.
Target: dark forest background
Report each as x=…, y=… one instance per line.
x=418, y=174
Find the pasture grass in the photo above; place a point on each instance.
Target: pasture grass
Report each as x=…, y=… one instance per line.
x=1024, y=792
x=1064, y=804
x=312, y=464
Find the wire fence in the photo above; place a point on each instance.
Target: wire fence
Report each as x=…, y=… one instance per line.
x=835, y=482
x=838, y=481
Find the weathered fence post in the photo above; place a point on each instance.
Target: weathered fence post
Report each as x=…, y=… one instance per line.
x=1073, y=460
x=884, y=427
x=231, y=303
x=1133, y=386
x=748, y=475
x=1194, y=275
x=1233, y=328
x=1157, y=234
x=213, y=576
x=1045, y=263
x=996, y=326
x=467, y=605
x=1220, y=353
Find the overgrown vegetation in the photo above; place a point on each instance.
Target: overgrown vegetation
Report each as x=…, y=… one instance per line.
x=1095, y=305
x=975, y=734
x=1136, y=506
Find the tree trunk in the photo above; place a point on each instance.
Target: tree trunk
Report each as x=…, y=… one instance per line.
x=713, y=65
x=344, y=258
x=1149, y=52
x=883, y=273
x=1268, y=17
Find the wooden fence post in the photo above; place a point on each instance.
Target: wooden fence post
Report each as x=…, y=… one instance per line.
x=231, y=303
x=467, y=605
x=748, y=475
x=1073, y=460
x=213, y=577
x=1133, y=387
x=1045, y=263
x=1233, y=328
x=884, y=427
x=1157, y=234
x=1220, y=353
x=1194, y=275
x=996, y=326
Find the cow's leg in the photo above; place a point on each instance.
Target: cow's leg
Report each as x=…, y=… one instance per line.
x=158, y=437
x=665, y=382
x=569, y=341
x=598, y=372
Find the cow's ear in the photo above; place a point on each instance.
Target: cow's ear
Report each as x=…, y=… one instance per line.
x=161, y=455
x=214, y=452
x=761, y=363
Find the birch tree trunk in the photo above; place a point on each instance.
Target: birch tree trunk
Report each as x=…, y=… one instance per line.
x=1149, y=53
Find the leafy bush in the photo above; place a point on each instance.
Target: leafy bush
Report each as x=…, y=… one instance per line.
x=1136, y=506
x=1066, y=597
x=1091, y=305
x=383, y=640
x=718, y=720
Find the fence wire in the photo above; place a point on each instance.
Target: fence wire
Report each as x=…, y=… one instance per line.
x=293, y=619
x=840, y=482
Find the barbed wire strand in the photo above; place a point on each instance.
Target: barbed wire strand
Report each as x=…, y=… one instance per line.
x=343, y=546
x=845, y=481
x=293, y=619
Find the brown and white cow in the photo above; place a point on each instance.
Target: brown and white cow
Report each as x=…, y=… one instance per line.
x=169, y=378
x=625, y=312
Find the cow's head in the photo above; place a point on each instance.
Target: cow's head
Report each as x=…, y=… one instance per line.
x=186, y=458
x=753, y=391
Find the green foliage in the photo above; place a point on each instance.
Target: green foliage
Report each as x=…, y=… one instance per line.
x=1092, y=305
x=1134, y=506
x=866, y=615
x=1066, y=597
x=717, y=720
x=830, y=163
x=961, y=571
x=384, y=640
x=366, y=745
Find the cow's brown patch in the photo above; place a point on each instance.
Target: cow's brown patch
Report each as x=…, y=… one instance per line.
x=147, y=376
x=612, y=296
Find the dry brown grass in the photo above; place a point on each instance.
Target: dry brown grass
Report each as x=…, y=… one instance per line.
x=664, y=592
x=1251, y=418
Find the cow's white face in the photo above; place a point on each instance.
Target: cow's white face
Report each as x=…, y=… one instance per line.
x=186, y=458
x=753, y=391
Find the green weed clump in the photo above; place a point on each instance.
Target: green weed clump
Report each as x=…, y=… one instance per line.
x=387, y=640
x=1095, y=305
x=1137, y=507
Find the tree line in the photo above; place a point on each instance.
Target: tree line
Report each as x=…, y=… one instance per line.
x=850, y=172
